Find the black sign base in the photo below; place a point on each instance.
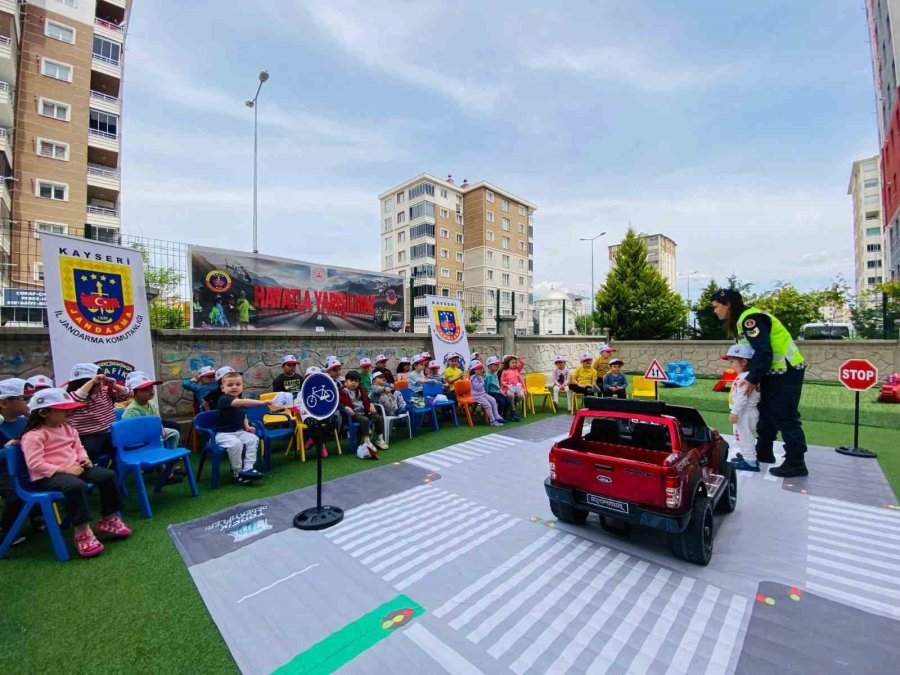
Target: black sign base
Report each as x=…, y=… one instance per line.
x=318, y=518
x=855, y=452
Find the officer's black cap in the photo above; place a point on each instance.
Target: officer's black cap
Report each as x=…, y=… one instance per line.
x=726, y=296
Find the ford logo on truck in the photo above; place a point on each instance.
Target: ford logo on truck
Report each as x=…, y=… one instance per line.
x=604, y=479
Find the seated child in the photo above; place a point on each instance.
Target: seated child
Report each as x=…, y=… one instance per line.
x=452, y=374
x=201, y=385
x=381, y=364
x=511, y=382
x=13, y=416
x=418, y=375
x=356, y=403
x=92, y=421
x=58, y=462
x=492, y=387
x=365, y=375
x=317, y=428
x=383, y=395
x=36, y=383
x=403, y=368
x=615, y=383
x=476, y=382
x=560, y=377
x=288, y=380
x=601, y=365
x=434, y=371
x=143, y=405
x=584, y=378
x=233, y=430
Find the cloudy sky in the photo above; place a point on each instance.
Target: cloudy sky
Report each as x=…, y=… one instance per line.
x=730, y=127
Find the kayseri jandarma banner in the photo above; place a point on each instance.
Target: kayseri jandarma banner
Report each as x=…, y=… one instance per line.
x=236, y=290
x=96, y=306
x=448, y=329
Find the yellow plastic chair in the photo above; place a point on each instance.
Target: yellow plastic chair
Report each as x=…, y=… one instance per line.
x=299, y=427
x=572, y=398
x=641, y=388
x=536, y=385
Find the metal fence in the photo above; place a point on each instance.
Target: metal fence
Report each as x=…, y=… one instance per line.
x=482, y=307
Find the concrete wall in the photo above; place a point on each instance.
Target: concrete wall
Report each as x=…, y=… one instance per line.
x=26, y=351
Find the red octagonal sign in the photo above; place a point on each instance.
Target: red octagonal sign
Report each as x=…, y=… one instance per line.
x=858, y=374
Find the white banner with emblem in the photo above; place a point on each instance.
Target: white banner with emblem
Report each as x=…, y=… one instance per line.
x=448, y=329
x=96, y=306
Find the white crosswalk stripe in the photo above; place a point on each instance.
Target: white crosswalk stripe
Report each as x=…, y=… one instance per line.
x=423, y=464
x=852, y=554
x=354, y=516
x=450, y=456
x=379, y=525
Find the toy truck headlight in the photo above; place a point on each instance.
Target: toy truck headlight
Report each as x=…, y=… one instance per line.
x=673, y=492
x=552, y=470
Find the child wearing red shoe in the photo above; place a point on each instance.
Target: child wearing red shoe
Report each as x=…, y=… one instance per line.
x=57, y=462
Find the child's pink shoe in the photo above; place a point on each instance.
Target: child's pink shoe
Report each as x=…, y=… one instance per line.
x=309, y=443
x=113, y=526
x=324, y=452
x=87, y=545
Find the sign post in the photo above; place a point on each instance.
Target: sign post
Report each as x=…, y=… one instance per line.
x=319, y=394
x=857, y=375
x=656, y=374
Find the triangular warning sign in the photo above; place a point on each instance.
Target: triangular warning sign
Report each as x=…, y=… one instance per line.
x=655, y=372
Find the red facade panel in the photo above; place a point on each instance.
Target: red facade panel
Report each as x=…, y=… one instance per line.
x=890, y=167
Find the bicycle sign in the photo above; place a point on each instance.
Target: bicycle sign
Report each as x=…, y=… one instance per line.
x=320, y=394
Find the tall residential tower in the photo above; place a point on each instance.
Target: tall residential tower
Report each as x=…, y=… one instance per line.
x=868, y=228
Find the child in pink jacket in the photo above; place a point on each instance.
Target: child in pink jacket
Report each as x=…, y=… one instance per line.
x=511, y=382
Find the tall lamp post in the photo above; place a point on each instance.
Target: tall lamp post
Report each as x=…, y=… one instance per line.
x=688, y=275
x=263, y=76
x=593, y=294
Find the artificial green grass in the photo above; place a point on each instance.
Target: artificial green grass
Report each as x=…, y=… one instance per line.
x=135, y=608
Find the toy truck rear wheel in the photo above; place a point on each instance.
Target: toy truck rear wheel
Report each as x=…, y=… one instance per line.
x=568, y=513
x=728, y=501
x=695, y=544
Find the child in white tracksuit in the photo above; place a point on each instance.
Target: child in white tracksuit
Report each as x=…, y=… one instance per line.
x=744, y=409
x=560, y=378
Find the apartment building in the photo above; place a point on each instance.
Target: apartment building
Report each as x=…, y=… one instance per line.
x=868, y=226
x=61, y=68
x=660, y=255
x=471, y=242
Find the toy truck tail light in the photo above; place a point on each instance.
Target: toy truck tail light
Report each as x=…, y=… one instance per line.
x=673, y=492
x=552, y=470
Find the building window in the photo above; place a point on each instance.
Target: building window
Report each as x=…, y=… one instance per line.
x=445, y=253
x=388, y=205
x=870, y=183
x=402, y=274
x=490, y=256
x=521, y=210
x=445, y=213
x=459, y=219
x=445, y=233
x=490, y=236
x=38, y=271
x=531, y=265
x=504, y=205
x=521, y=263
x=422, y=230
x=423, y=271
x=504, y=261
x=401, y=196
x=110, y=235
x=873, y=215
x=106, y=51
x=48, y=190
x=505, y=279
x=490, y=275
x=421, y=251
x=443, y=193
x=873, y=248
x=872, y=264
x=522, y=282
x=459, y=276
x=388, y=245
x=421, y=189
x=459, y=238
x=504, y=243
x=401, y=237
x=401, y=257
x=530, y=248
x=401, y=217
x=445, y=273
x=459, y=257
x=58, y=111
x=505, y=224
x=388, y=223
x=489, y=196
x=53, y=228
x=874, y=280
x=56, y=69
x=873, y=231
x=421, y=210
x=522, y=246
x=388, y=262
x=104, y=124
x=490, y=216
x=52, y=149
x=460, y=295
x=871, y=199
x=60, y=32
x=445, y=292
x=521, y=228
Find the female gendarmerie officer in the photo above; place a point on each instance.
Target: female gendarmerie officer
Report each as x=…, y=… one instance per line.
x=777, y=371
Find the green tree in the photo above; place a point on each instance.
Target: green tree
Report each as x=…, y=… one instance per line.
x=476, y=314
x=582, y=324
x=868, y=312
x=708, y=326
x=791, y=306
x=168, y=309
x=636, y=303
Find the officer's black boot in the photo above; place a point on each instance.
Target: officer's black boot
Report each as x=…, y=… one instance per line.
x=789, y=470
x=766, y=456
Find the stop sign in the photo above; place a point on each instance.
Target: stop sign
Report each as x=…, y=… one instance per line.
x=858, y=374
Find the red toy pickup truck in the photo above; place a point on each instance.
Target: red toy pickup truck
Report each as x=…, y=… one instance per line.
x=644, y=463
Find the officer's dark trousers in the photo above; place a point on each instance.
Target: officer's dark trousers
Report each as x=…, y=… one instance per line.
x=778, y=411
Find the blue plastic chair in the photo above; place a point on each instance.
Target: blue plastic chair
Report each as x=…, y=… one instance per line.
x=353, y=428
x=138, y=444
x=418, y=413
x=432, y=389
x=118, y=412
x=266, y=434
x=203, y=424
x=31, y=497
x=10, y=431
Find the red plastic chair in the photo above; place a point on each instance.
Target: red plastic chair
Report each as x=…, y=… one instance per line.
x=464, y=400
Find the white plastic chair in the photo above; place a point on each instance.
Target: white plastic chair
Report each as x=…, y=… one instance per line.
x=389, y=421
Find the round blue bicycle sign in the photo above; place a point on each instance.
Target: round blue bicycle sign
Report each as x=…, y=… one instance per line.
x=319, y=394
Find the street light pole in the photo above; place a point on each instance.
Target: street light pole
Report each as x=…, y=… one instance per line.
x=689, y=275
x=593, y=294
x=263, y=76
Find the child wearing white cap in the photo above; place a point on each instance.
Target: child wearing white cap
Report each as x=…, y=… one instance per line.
x=289, y=379
x=201, y=385
x=100, y=393
x=560, y=377
x=583, y=379
x=142, y=405
x=38, y=382
x=480, y=396
x=58, y=462
x=381, y=364
x=365, y=375
x=492, y=387
x=13, y=416
x=403, y=367
x=743, y=409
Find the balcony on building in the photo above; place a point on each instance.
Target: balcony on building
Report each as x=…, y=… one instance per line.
x=103, y=137
x=6, y=105
x=104, y=180
x=6, y=143
x=102, y=213
x=109, y=20
x=107, y=57
x=8, y=58
x=6, y=200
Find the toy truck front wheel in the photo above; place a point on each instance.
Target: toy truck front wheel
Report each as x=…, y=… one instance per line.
x=695, y=544
x=568, y=513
